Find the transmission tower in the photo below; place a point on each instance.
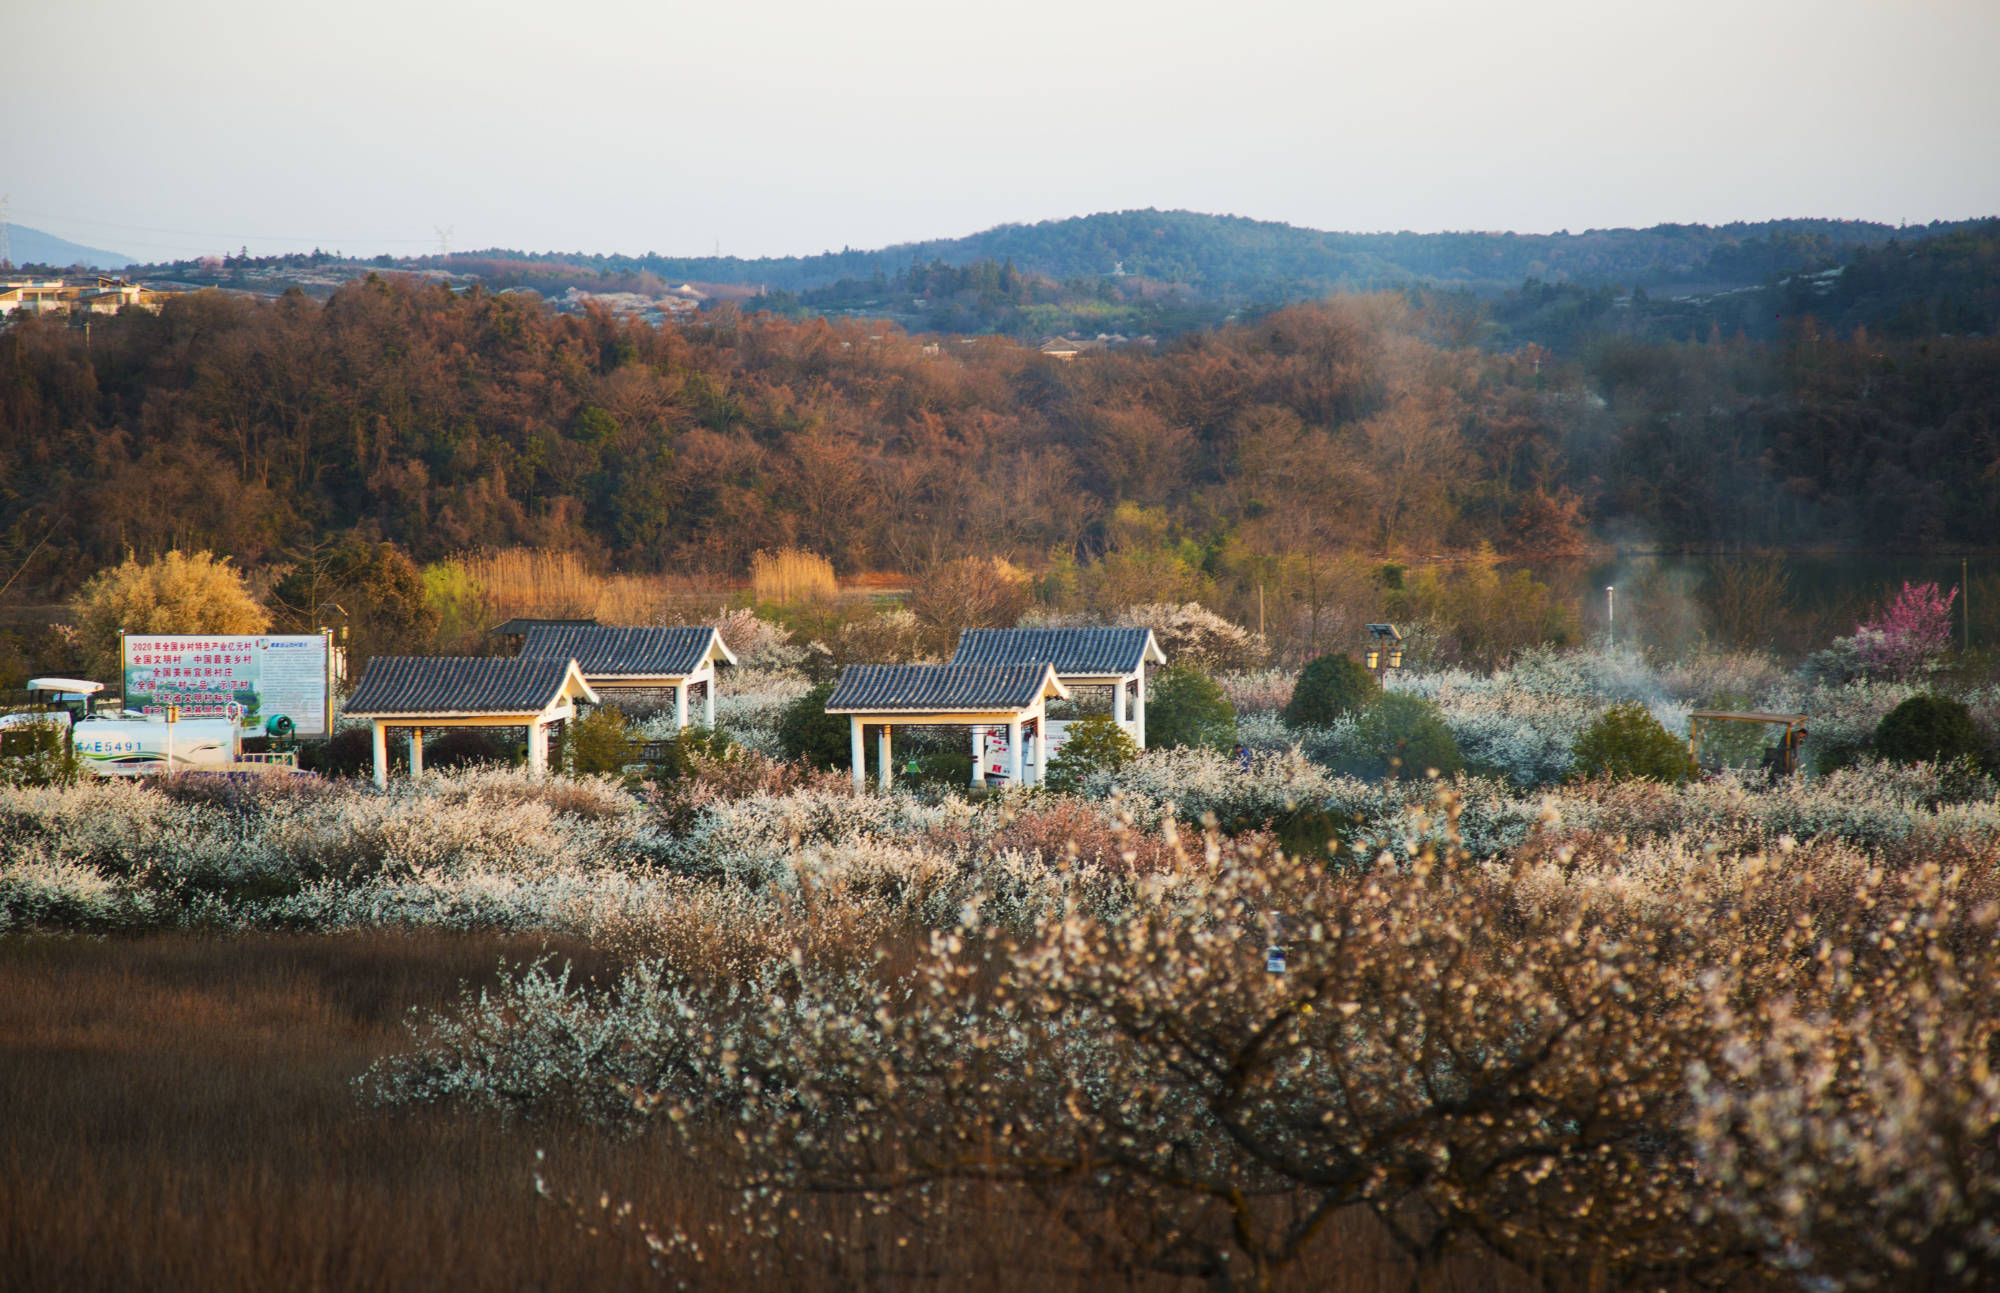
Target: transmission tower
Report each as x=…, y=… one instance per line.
x=6, y=253
x=444, y=239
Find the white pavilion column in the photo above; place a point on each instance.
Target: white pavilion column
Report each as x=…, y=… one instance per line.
x=416, y=754
x=538, y=749
x=381, y=754
x=1139, y=710
x=882, y=757
x=708, y=702
x=680, y=704
x=978, y=755
x=1014, y=752
x=860, y=751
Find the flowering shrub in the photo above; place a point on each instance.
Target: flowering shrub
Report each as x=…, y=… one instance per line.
x=1192, y=784
x=893, y=636
x=1624, y=1028
x=1867, y=1092
x=493, y=848
x=1625, y=1061
x=749, y=705
x=1903, y=643
x=758, y=643
x=1912, y=631
x=1191, y=634
x=1260, y=691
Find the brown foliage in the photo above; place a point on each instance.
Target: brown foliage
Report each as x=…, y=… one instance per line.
x=180, y=1115
x=970, y=593
x=448, y=423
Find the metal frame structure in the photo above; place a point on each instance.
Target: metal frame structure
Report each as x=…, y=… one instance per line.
x=1787, y=761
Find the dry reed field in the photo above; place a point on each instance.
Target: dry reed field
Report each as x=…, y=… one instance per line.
x=791, y=575
x=179, y=1112
x=562, y=585
x=546, y=583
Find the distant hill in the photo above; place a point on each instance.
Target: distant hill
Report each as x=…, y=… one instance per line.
x=27, y=246
x=1157, y=274
x=1235, y=256
x=1915, y=285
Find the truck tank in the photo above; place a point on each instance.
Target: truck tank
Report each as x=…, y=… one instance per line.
x=130, y=747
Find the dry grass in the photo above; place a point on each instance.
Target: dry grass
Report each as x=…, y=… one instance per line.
x=561, y=585
x=791, y=575
x=178, y=1113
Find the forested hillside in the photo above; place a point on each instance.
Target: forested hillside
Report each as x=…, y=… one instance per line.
x=1163, y=274
x=1231, y=254
x=1945, y=284
x=444, y=421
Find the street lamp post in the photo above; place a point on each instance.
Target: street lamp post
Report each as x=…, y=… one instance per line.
x=1385, y=652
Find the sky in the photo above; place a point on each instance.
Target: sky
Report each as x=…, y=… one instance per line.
x=779, y=127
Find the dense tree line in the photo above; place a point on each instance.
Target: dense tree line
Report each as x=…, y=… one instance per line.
x=1233, y=256
x=442, y=421
x=1947, y=284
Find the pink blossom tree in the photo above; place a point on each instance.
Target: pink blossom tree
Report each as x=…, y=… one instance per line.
x=1912, y=631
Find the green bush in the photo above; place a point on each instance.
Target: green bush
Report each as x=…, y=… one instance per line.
x=1094, y=743
x=1315, y=832
x=1329, y=688
x=1930, y=729
x=689, y=746
x=38, y=753
x=469, y=747
x=807, y=731
x=941, y=769
x=349, y=752
x=601, y=742
x=1185, y=707
x=1627, y=743
x=1404, y=736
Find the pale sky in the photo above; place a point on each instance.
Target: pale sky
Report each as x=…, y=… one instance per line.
x=168, y=128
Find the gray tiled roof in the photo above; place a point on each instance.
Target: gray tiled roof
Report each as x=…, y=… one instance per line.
x=609, y=652
x=402, y=684
x=936, y=688
x=1072, y=651
x=521, y=624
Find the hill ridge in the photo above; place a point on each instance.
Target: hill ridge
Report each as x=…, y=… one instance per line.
x=27, y=246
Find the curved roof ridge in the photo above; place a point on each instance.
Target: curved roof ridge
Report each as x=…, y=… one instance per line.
x=940, y=688
x=615, y=651
x=1104, y=649
x=460, y=685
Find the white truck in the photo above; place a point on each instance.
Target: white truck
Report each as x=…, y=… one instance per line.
x=130, y=747
x=122, y=745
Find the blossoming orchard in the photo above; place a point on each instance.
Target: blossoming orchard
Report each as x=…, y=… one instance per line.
x=1440, y=986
